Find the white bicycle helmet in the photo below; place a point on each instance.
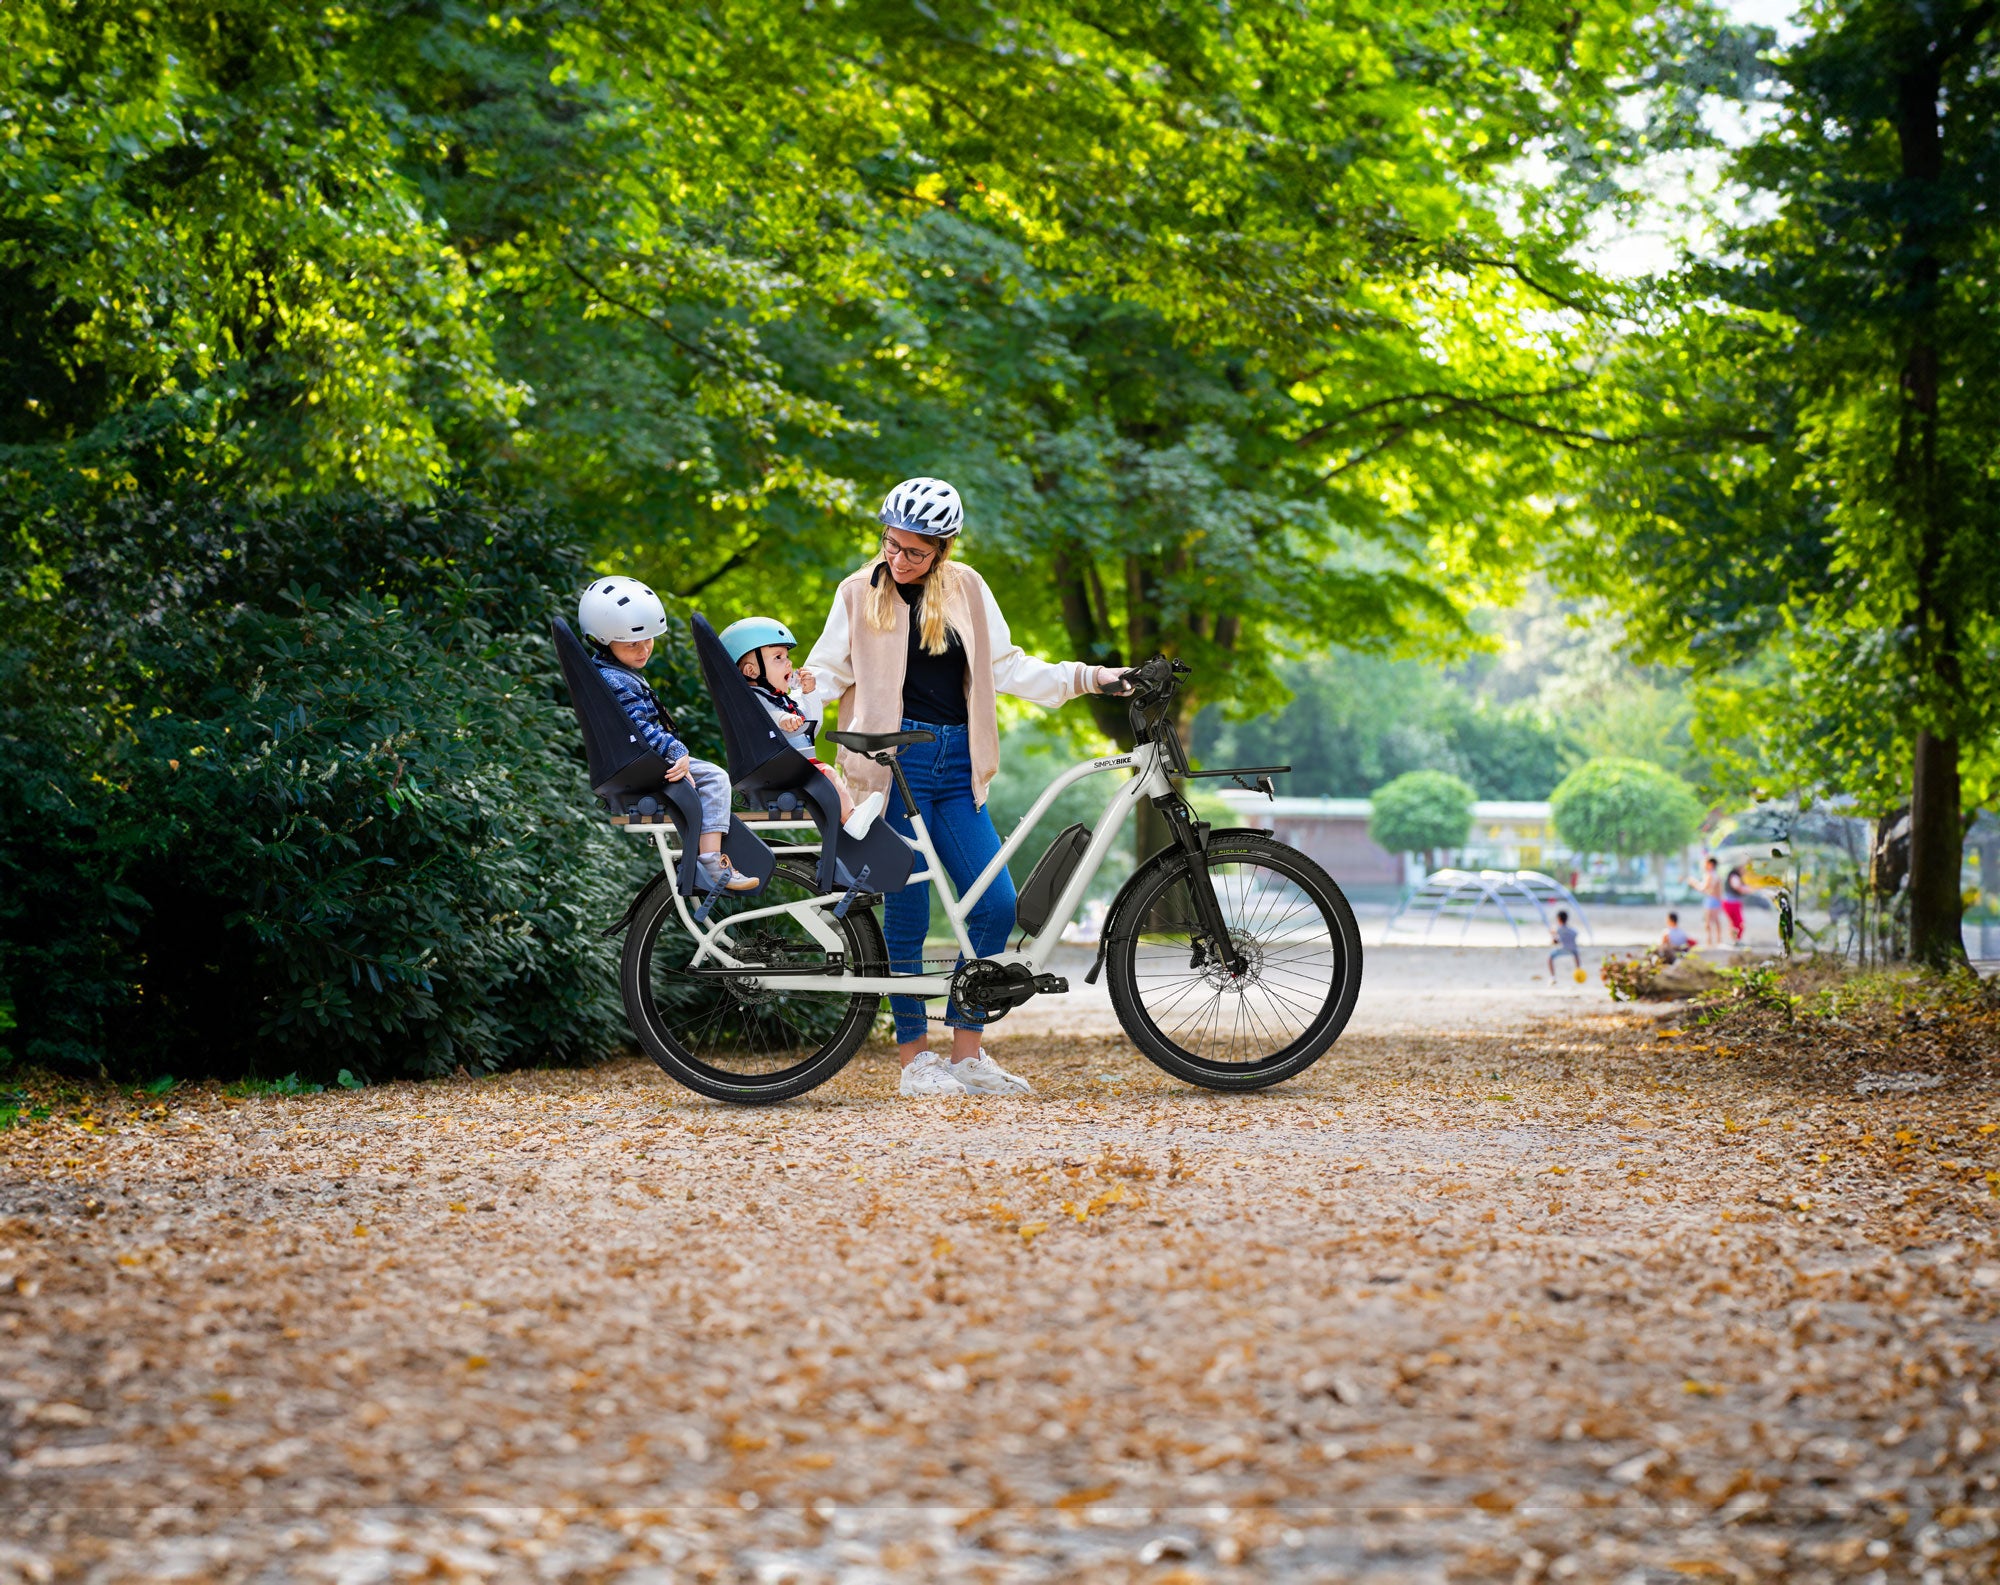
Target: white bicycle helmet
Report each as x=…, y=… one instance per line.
x=621, y=611
x=923, y=506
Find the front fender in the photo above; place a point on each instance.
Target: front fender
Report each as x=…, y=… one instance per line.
x=1165, y=856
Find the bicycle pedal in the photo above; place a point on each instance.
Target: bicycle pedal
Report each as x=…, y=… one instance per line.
x=1050, y=985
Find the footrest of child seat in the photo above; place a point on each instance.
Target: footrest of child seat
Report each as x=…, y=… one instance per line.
x=747, y=852
x=881, y=861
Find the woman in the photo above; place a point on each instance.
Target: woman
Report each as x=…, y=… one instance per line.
x=916, y=641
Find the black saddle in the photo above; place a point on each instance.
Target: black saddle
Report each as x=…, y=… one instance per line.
x=880, y=742
x=774, y=776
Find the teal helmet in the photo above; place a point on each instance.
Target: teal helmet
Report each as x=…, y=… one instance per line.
x=754, y=632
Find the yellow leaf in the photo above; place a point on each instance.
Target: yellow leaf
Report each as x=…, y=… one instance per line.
x=1071, y=1502
x=1030, y=1229
x=475, y=1362
x=814, y=1461
x=360, y=1231
x=1987, y=1128
x=941, y=1248
x=458, y=1205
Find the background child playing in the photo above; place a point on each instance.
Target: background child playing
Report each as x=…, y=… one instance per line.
x=622, y=617
x=1676, y=941
x=762, y=650
x=1564, y=939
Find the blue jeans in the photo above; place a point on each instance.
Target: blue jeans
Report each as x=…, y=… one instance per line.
x=711, y=786
x=940, y=777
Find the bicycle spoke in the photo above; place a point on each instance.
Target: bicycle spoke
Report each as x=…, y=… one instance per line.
x=1281, y=939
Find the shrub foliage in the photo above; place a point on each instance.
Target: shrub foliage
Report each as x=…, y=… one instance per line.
x=1624, y=806
x=1421, y=811
x=297, y=790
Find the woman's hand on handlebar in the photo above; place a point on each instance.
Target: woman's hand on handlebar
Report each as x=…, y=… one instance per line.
x=1113, y=680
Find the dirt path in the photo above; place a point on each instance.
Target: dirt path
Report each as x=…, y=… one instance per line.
x=1573, y=1302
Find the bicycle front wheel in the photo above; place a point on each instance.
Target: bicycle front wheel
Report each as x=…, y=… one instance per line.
x=1188, y=1012
x=736, y=1042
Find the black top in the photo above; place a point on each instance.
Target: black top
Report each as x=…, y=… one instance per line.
x=933, y=685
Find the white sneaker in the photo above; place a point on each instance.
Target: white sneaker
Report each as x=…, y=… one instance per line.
x=981, y=1075
x=864, y=815
x=929, y=1075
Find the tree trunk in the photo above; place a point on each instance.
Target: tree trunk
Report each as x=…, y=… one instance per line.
x=1937, y=838
x=1936, y=831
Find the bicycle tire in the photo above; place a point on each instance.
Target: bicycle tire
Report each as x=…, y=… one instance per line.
x=1182, y=1019
x=689, y=1025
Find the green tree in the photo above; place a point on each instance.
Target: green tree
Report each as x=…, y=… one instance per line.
x=1815, y=475
x=1421, y=811
x=1355, y=721
x=1625, y=807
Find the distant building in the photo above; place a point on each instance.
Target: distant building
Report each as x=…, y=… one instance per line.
x=1506, y=834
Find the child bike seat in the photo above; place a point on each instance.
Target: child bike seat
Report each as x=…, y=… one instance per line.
x=771, y=774
x=632, y=779
x=878, y=742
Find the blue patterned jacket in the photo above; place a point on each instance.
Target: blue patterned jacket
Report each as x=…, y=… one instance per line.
x=643, y=707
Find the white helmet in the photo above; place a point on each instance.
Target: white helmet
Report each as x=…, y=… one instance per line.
x=621, y=611
x=923, y=506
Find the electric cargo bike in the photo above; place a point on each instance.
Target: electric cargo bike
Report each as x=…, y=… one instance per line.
x=1233, y=960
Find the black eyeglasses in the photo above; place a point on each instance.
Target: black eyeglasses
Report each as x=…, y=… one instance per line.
x=896, y=552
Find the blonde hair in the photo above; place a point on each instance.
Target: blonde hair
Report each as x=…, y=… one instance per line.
x=939, y=584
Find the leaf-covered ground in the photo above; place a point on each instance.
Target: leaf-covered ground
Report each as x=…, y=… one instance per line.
x=1575, y=1302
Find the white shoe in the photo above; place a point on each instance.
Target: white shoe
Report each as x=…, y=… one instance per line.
x=929, y=1075
x=981, y=1075
x=864, y=815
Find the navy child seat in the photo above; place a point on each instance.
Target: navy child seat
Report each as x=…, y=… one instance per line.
x=632, y=779
x=776, y=777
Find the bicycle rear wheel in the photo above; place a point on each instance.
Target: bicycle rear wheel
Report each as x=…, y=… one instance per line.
x=749, y=1044
x=1188, y=1013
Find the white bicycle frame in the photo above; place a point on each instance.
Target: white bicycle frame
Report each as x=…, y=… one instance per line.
x=713, y=943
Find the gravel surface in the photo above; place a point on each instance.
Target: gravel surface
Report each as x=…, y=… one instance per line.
x=1574, y=1301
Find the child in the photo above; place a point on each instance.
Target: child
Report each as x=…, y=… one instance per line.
x=1710, y=887
x=1564, y=940
x=1676, y=941
x=762, y=650
x=622, y=617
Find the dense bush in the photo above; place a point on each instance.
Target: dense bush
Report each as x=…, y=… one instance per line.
x=297, y=791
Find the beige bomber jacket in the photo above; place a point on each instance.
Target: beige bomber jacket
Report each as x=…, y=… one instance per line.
x=862, y=670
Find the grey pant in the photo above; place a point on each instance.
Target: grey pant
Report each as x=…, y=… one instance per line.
x=711, y=785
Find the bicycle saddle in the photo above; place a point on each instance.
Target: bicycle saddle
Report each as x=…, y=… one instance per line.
x=878, y=742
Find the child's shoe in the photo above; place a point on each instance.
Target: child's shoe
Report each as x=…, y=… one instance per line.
x=719, y=875
x=864, y=815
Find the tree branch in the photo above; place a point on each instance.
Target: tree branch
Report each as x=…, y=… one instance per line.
x=663, y=326
x=720, y=573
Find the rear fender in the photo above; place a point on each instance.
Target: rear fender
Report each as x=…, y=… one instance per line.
x=653, y=884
